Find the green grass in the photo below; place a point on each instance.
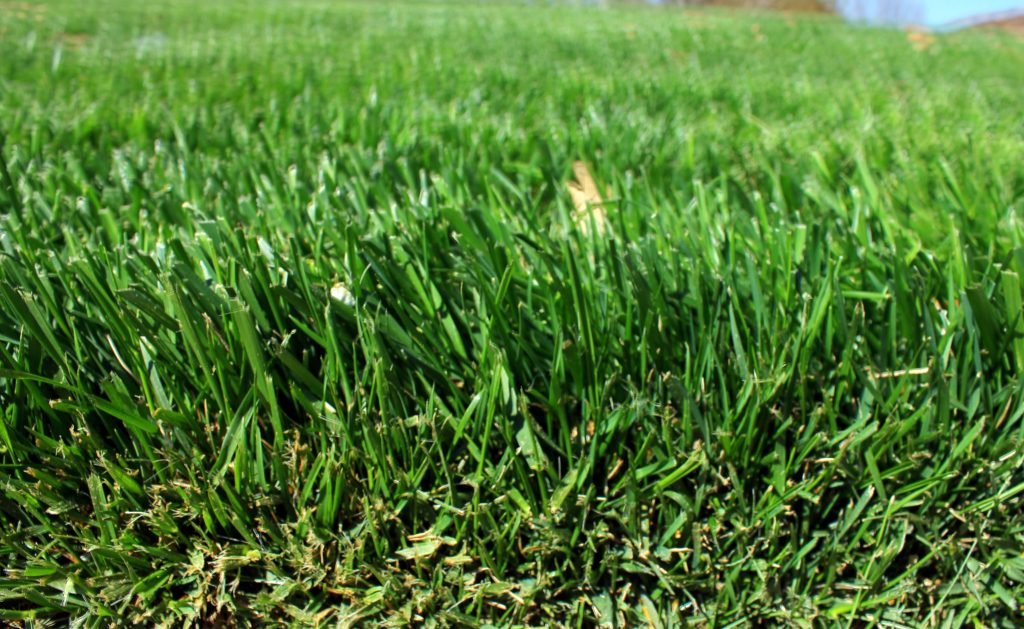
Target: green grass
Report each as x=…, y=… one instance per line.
x=784, y=385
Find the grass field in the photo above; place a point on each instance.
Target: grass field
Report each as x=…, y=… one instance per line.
x=300, y=324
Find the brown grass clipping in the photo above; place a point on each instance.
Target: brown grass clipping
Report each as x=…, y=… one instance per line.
x=920, y=38
x=587, y=200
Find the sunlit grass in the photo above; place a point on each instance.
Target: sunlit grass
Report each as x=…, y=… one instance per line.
x=300, y=322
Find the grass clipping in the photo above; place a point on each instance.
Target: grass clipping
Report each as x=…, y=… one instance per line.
x=589, y=206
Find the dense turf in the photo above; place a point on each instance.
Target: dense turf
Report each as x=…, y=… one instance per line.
x=298, y=323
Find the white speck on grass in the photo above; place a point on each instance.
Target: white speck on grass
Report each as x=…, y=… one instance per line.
x=149, y=43
x=341, y=294
x=266, y=249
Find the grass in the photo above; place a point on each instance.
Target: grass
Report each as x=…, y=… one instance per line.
x=299, y=323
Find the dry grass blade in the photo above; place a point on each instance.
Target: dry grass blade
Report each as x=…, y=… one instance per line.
x=586, y=199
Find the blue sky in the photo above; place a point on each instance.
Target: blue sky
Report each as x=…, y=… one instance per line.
x=945, y=11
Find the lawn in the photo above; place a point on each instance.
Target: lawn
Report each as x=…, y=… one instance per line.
x=302, y=323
